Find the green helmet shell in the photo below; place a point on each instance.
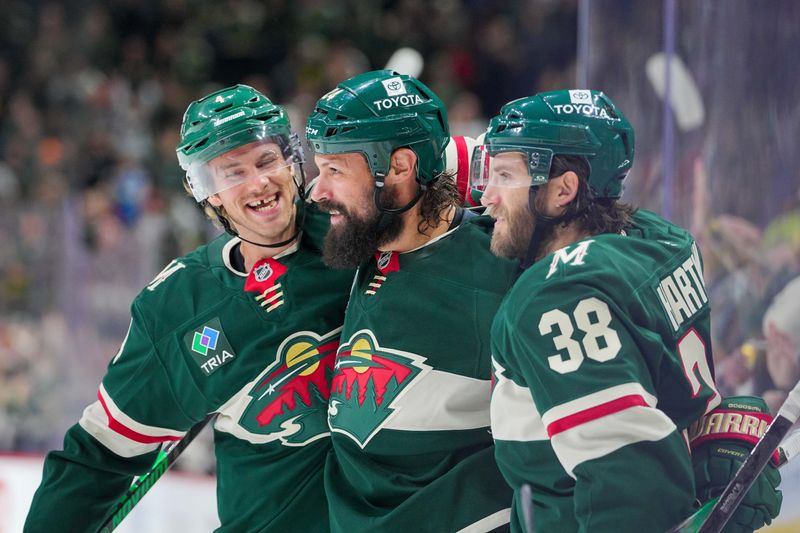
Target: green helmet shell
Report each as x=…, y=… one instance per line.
x=225, y=120
x=571, y=122
x=376, y=113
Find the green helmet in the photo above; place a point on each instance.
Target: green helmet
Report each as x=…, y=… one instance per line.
x=567, y=122
x=376, y=113
x=223, y=121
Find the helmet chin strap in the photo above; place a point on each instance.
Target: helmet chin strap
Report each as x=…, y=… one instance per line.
x=386, y=212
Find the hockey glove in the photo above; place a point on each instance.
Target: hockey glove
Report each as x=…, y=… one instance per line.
x=721, y=441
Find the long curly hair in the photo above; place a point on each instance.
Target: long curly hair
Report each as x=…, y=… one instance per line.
x=595, y=215
x=436, y=201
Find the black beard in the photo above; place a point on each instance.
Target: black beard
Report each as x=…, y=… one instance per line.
x=357, y=239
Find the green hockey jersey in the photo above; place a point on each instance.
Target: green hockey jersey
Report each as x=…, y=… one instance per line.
x=409, y=406
x=601, y=355
x=257, y=348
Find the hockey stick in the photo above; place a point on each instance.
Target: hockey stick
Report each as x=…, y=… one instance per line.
x=713, y=516
x=790, y=447
x=527, y=507
x=166, y=458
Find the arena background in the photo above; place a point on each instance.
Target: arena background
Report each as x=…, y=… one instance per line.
x=91, y=206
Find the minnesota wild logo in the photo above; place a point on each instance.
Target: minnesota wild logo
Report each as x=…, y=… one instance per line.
x=367, y=384
x=287, y=402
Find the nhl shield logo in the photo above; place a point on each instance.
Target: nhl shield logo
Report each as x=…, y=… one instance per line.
x=367, y=383
x=387, y=262
x=262, y=272
x=383, y=260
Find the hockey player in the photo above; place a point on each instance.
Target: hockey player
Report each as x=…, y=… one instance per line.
x=601, y=350
x=409, y=407
x=246, y=326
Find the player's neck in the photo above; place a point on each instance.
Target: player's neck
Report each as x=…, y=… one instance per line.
x=410, y=237
x=252, y=254
x=562, y=236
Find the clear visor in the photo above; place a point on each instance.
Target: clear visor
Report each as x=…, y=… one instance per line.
x=261, y=159
x=508, y=166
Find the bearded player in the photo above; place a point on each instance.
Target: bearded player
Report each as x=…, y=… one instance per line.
x=246, y=326
x=601, y=350
x=409, y=408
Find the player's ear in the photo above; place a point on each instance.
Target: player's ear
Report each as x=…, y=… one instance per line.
x=402, y=166
x=214, y=200
x=566, y=186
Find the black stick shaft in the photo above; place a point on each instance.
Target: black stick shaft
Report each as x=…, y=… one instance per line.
x=736, y=490
x=144, y=483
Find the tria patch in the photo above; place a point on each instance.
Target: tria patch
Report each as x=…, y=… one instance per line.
x=209, y=347
x=367, y=382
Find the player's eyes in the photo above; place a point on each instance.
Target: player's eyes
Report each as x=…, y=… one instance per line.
x=234, y=174
x=267, y=164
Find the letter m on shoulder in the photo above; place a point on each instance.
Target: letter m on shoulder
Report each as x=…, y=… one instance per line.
x=569, y=256
x=162, y=276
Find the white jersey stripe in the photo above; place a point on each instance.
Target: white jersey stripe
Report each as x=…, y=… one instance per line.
x=122, y=346
x=133, y=425
x=597, y=398
x=513, y=411
x=488, y=523
x=442, y=401
x=95, y=422
x=600, y=437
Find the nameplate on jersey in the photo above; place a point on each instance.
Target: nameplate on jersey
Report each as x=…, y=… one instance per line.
x=682, y=292
x=209, y=346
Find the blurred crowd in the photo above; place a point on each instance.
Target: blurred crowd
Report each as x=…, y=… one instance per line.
x=92, y=94
x=91, y=202
x=753, y=278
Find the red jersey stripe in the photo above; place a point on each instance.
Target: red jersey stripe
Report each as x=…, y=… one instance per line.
x=118, y=427
x=593, y=413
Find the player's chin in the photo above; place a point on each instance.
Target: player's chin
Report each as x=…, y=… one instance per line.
x=501, y=245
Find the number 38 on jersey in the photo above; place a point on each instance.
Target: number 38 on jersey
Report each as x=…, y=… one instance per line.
x=599, y=342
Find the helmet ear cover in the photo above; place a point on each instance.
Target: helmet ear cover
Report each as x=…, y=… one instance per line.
x=376, y=113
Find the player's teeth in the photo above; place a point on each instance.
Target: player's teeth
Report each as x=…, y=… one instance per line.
x=264, y=204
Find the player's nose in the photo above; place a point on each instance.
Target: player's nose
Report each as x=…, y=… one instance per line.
x=320, y=190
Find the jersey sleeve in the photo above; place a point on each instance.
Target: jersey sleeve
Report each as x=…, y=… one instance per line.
x=592, y=386
x=116, y=438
